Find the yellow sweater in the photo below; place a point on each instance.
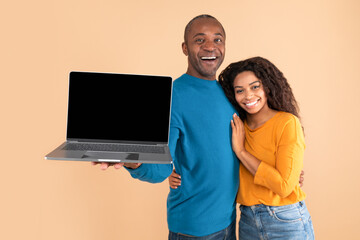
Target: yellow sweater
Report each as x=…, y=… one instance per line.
x=279, y=145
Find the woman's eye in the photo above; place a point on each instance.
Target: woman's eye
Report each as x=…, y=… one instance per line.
x=256, y=87
x=239, y=91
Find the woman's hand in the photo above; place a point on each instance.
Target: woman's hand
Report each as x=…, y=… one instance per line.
x=174, y=180
x=250, y=162
x=238, y=134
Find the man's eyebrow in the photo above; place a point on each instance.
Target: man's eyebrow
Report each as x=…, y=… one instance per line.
x=198, y=34
x=202, y=34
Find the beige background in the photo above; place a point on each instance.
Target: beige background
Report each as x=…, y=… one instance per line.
x=315, y=43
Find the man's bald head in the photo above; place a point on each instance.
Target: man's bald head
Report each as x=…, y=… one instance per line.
x=188, y=26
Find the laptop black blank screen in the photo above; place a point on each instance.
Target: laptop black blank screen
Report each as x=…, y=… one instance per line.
x=119, y=107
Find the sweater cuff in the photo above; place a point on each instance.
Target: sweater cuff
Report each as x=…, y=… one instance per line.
x=261, y=174
x=134, y=171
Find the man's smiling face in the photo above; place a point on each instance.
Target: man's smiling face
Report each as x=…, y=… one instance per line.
x=205, y=47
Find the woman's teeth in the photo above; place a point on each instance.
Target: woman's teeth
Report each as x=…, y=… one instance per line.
x=252, y=103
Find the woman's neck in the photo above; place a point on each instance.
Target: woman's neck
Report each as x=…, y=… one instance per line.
x=258, y=119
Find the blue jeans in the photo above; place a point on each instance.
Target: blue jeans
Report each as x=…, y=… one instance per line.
x=267, y=222
x=225, y=234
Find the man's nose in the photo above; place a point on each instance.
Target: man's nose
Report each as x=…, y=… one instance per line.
x=209, y=46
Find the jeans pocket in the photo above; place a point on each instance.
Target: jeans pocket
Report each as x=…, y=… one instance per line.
x=288, y=214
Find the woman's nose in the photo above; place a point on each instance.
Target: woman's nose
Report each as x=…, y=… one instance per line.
x=249, y=94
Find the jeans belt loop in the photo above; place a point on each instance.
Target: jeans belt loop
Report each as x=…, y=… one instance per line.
x=269, y=210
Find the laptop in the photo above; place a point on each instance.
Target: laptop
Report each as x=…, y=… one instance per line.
x=117, y=118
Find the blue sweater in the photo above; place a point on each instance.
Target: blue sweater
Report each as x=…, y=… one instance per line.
x=200, y=144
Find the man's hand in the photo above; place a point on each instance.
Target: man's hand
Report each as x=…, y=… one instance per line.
x=174, y=180
x=106, y=165
x=301, y=179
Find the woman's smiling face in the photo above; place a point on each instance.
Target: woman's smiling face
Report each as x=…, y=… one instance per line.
x=250, y=93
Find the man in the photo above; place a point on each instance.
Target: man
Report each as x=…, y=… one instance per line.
x=200, y=142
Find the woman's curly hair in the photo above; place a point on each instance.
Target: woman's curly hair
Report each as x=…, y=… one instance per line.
x=277, y=89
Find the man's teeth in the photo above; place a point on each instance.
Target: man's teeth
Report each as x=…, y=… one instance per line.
x=208, y=58
x=251, y=104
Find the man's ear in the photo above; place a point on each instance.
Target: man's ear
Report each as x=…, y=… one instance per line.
x=184, y=48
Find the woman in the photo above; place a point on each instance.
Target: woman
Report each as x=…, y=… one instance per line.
x=268, y=139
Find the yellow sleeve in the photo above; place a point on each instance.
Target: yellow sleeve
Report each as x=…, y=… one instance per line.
x=288, y=163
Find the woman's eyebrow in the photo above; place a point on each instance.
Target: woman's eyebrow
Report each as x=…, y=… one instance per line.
x=254, y=82
x=257, y=81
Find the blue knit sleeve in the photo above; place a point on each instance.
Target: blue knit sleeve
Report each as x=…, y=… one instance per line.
x=152, y=173
x=156, y=173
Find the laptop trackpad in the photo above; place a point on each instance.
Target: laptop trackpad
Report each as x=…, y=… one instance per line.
x=111, y=156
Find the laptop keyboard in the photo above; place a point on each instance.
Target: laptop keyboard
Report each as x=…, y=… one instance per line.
x=113, y=148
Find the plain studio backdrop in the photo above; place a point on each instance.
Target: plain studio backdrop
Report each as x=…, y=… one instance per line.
x=314, y=43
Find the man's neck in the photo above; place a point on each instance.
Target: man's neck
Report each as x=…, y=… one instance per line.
x=197, y=75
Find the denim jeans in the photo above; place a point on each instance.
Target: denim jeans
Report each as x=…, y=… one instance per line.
x=225, y=234
x=268, y=222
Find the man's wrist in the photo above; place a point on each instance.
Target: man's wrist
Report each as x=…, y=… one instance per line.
x=132, y=165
